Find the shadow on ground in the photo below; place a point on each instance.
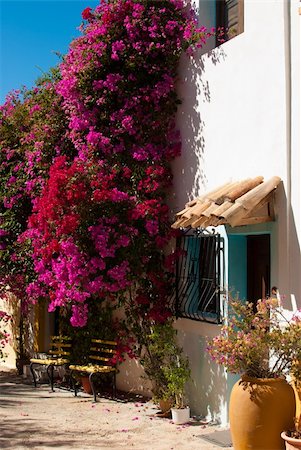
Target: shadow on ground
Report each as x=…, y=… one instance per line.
x=22, y=429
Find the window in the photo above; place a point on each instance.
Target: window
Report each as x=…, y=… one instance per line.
x=230, y=17
x=199, y=274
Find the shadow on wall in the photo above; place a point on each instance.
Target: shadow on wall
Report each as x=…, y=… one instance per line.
x=194, y=91
x=287, y=253
x=207, y=390
x=214, y=389
x=295, y=263
x=20, y=330
x=131, y=378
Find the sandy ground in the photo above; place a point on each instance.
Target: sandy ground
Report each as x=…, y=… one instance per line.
x=41, y=419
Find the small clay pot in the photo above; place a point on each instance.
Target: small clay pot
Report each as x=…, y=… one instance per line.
x=86, y=385
x=165, y=405
x=291, y=443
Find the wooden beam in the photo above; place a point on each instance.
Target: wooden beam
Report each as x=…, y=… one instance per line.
x=268, y=198
x=252, y=198
x=271, y=209
x=253, y=221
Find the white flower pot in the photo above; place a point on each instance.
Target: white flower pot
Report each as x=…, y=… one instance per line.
x=180, y=416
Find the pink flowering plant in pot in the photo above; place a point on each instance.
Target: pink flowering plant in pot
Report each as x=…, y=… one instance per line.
x=292, y=437
x=258, y=340
x=262, y=345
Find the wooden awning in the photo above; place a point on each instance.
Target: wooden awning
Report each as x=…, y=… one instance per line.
x=235, y=203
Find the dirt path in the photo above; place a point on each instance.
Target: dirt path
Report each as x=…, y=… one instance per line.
x=39, y=419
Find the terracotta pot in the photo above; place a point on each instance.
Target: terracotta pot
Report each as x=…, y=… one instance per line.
x=260, y=409
x=180, y=416
x=165, y=405
x=86, y=385
x=291, y=443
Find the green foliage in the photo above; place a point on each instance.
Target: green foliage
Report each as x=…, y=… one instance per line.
x=177, y=374
x=165, y=364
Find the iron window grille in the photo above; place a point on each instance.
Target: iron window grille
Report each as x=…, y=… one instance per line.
x=199, y=277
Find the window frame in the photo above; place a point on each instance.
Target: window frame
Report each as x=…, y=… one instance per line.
x=187, y=289
x=222, y=19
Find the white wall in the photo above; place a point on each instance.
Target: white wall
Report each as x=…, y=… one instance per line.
x=233, y=120
x=9, y=349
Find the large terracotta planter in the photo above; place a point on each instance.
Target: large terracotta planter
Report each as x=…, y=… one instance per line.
x=260, y=409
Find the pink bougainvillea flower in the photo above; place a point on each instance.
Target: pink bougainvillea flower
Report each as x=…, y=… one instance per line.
x=86, y=13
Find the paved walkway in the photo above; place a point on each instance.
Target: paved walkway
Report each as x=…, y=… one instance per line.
x=39, y=419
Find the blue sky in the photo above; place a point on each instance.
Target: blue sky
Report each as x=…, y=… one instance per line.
x=30, y=32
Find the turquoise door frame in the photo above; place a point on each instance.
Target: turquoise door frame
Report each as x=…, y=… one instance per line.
x=237, y=265
x=237, y=281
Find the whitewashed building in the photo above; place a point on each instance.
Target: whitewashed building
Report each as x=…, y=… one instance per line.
x=240, y=119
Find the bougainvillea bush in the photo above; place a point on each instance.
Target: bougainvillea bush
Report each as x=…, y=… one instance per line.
x=32, y=132
x=95, y=172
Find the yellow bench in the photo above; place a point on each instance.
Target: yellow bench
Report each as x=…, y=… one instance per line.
x=58, y=355
x=100, y=362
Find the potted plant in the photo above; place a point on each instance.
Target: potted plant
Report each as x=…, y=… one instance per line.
x=84, y=379
x=261, y=345
x=165, y=366
x=177, y=374
x=292, y=437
